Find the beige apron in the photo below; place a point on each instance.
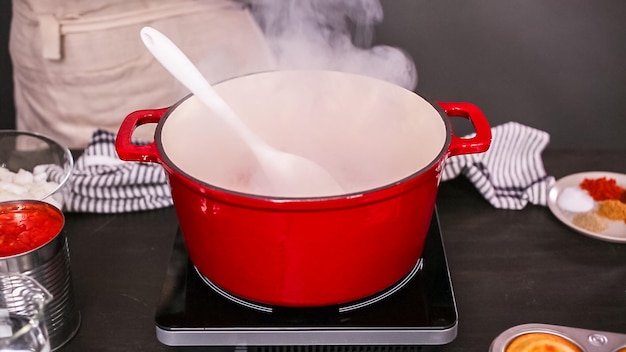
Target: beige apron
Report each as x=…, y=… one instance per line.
x=80, y=65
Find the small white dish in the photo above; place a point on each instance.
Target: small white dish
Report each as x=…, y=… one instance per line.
x=616, y=231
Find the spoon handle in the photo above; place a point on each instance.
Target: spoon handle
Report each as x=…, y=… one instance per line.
x=179, y=65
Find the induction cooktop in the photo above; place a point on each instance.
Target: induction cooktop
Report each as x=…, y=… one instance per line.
x=418, y=310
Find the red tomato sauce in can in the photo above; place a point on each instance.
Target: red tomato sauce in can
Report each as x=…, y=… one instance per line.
x=25, y=226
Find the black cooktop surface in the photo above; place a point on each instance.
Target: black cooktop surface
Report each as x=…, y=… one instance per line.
x=420, y=310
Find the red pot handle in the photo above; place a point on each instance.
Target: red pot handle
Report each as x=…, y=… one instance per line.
x=480, y=141
x=129, y=151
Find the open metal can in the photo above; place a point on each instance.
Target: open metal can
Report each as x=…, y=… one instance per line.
x=43, y=256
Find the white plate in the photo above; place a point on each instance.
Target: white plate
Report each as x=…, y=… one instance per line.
x=616, y=232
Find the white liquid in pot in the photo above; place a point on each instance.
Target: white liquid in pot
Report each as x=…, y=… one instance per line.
x=366, y=133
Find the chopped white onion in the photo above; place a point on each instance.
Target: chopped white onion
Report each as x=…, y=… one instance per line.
x=24, y=184
x=6, y=175
x=23, y=177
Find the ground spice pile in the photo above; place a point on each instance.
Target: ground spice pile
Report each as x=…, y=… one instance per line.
x=602, y=188
x=590, y=221
x=611, y=200
x=612, y=209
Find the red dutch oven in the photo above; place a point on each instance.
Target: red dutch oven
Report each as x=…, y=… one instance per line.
x=385, y=145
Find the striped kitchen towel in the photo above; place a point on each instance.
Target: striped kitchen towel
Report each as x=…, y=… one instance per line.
x=511, y=173
x=102, y=183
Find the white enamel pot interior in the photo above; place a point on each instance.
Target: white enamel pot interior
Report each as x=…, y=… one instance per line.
x=366, y=132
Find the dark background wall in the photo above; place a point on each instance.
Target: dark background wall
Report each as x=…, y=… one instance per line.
x=7, y=110
x=556, y=65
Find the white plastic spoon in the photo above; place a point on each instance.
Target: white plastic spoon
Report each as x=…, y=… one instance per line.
x=290, y=175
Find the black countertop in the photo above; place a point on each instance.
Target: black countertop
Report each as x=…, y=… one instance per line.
x=508, y=267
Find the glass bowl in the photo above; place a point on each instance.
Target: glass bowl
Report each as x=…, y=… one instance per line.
x=33, y=166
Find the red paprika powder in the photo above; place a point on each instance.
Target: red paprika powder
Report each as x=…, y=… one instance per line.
x=25, y=226
x=602, y=188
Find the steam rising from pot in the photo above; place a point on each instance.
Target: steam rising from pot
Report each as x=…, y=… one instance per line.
x=334, y=35
x=356, y=128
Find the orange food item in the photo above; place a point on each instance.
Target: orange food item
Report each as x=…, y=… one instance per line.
x=541, y=342
x=602, y=188
x=612, y=209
